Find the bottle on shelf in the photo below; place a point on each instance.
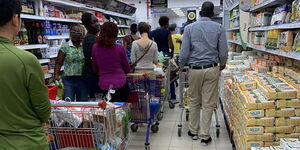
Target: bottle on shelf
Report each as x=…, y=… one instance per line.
x=39, y=34
x=23, y=34
x=34, y=35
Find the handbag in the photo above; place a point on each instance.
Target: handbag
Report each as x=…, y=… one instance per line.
x=133, y=65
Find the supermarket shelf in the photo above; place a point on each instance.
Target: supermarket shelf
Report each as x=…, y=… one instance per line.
x=57, y=37
x=294, y=25
x=48, y=76
x=35, y=17
x=52, y=70
x=236, y=4
x=265, y=4
x=121, y=36
x=66, y=3
x=237, y=16
x=293, y=55
x=53, y=56
x=234, y=42
x=86, y=7
x=123, y=26
x=233, y=29
x=43, y=61
x=33, y=46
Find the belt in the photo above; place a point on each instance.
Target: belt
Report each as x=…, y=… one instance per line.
x=203, y=67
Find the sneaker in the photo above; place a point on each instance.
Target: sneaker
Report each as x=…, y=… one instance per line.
x=206, y=142
x=194, y=136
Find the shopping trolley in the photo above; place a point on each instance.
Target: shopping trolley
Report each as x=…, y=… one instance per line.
x=184, y=93
x=88, y=125
x=145, y=103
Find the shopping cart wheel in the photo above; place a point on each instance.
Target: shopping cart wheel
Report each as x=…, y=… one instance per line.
x=218, y=132
x=179, y=131
x=154, y=128
x=147, y=146
x=187, y=115
x=134, y=127
x=160, y=116
x=171, y=105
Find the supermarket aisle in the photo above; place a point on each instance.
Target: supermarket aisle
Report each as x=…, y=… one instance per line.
x=167, y=138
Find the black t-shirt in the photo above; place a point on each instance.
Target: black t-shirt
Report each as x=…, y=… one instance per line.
x=160, y=36
x=87, y=46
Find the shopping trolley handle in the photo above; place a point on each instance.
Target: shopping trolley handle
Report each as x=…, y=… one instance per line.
x=100, y=104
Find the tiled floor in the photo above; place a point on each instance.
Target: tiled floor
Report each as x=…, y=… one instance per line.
x=167, y=136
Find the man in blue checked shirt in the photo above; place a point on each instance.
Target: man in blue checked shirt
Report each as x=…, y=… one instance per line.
x=204, y=50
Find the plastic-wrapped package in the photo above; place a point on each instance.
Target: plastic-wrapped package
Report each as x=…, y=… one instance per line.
x=296, y=46
x=280, y=14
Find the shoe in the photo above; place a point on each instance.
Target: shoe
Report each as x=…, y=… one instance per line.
x=206, y=142
x=174, y=101
x=194, y=136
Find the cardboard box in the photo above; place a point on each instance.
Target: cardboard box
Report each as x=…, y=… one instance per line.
x=297, y=112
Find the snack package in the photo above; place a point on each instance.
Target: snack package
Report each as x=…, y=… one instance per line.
x=295, y=10
x=285, y=41
x=279, y=14
x=296, y=46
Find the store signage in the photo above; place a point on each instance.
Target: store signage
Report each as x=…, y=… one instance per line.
x=159, y=3
x=191, y=15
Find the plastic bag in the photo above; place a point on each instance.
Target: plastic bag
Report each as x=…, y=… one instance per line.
x=60, y=90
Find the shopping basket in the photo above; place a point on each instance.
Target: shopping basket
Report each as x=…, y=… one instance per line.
x=85, y=125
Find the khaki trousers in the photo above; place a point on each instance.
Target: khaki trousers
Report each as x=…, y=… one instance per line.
x=203, y=94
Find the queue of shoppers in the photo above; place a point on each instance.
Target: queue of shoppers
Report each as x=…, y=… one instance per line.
x=94, y=63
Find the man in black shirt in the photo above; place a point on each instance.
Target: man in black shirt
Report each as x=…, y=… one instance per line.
x=91, y=23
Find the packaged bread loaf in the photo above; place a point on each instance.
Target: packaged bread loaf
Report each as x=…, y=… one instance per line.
x=254, y=130
x=255, y=113
x=250, y=144
x=295, y=103
x=280, y=129
x=283, y=112
x=297, y=112
x=292, y=135
x=261, y=137
x=265, y=121
x=291, y=121
x=271, y=144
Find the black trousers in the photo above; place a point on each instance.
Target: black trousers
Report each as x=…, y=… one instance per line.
x=121, y=94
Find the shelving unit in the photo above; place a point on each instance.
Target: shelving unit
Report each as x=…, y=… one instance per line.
x=265, y=4
x=236, y=4
x=233, y=29
x=38, y=16
x=235, y=17
x=57, y=37
x=43, y=61
x=32, y=46
x=35, y=17
x=293, y=25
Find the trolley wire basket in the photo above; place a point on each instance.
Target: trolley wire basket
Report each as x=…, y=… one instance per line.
x=85, y=125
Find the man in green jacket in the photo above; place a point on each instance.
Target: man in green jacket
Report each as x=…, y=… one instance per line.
x=24, y=102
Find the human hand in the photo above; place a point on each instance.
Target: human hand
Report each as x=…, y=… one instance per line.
x=222, y=67
x=56, y=77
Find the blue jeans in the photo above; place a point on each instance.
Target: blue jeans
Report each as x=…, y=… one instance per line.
x=75, y=89
x=91, y=83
